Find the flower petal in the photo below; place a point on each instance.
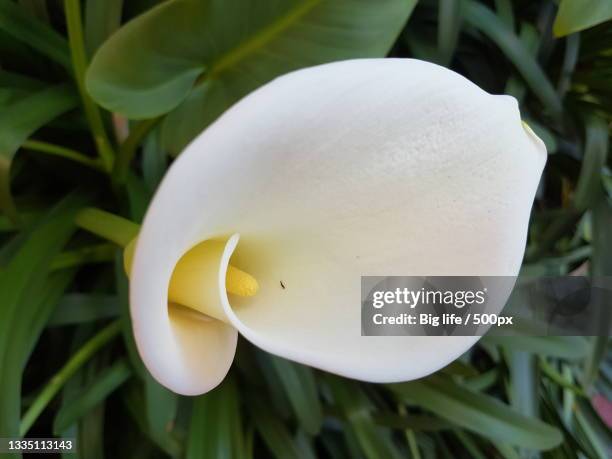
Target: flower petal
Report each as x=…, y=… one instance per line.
x=364, y=167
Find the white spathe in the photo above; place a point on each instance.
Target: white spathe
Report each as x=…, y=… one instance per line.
x=362, y=167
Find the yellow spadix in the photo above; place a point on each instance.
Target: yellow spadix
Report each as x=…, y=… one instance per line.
x=194, y=282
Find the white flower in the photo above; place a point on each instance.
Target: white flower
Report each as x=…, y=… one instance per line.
x=363, y=167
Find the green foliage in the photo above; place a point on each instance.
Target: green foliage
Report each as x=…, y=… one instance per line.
x=577, y=15
x=29, y=294
x=18, y=23
x=479, y=413
x=216, y=60
x=76, y=135
x=216, y=427
x=19, y=120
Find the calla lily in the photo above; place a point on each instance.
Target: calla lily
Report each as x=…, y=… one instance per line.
x=363, y=167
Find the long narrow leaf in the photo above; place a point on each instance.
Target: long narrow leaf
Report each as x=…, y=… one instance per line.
x=215, y=428
x=16, y=21
x=27, y=269
x=481, y=17
x=479, y=413
x=300, y=387
x=595, y=153
x=103, y=385
x=20, y=120
x=76, y=308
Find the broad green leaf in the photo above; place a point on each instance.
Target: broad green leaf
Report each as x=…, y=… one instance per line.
x=20, y=120
x=301, y=390
x=215, y=428
x=589, y=185
x=194, y=52
x=576, y=15
x=25, y=306
x=17, y=22
x=102, y=386
x=479, y=413
x=479, y=16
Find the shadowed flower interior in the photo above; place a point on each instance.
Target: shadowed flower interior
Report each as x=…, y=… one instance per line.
x=193, y=285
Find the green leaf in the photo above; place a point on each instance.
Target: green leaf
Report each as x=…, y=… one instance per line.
x=274, y=432
x=596, y=433
x=98, y=253
x=102, y=19
x=479, y=16
x=185, y=43
x=16, y=21
x=102, y=386
x=530, y=38
x=523, y=383
x=76, y=308
x=589, y=185
x=601, y=269
x=154, y=160
x=16, y=80
x=479, y=413
x=28, y=295
x=356, y=408
x=301, y=390
x=505, y=13
x=449, y=25
x=215, y=428
x=576, y=15
x=161, y=408
x=19, y=121
x=567, y=347
x=122, y=285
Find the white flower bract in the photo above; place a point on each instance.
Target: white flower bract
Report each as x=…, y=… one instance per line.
x=364, y=167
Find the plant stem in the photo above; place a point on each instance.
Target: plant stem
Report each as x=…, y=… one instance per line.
x=109, y=226
x=67, y=371
x=63, y=152
x=79, y=62
x=128, y=149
